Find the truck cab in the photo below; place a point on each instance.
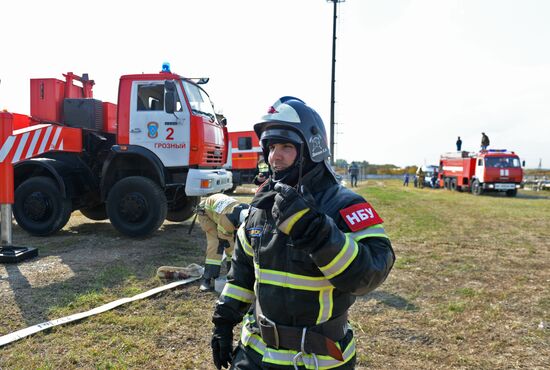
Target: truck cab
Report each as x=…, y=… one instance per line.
x=497, y=170
x=146, y=159
x=173, y=118
x=430, y=176
x=244, y=157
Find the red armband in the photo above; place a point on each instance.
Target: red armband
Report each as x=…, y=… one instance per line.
x=360, y=216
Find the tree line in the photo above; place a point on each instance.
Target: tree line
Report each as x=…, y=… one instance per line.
x=341, y=166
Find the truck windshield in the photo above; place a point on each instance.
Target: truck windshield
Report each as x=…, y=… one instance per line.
x=199, y=101
x=502, y=162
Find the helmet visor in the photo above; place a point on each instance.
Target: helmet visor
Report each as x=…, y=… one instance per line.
x=281, y=135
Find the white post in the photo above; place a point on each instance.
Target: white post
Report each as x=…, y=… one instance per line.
x=5, y=227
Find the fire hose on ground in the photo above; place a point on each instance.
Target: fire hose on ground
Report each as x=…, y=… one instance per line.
x=189, y=274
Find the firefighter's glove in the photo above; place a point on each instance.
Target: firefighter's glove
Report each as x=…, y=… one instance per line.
x=222, y=346
x=295, y=214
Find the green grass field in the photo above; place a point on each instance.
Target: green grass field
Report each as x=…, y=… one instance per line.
x=469, y=290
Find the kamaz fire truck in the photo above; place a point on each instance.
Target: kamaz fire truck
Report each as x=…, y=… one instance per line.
x=244, y=155
x=148, y=158
x=494, y=170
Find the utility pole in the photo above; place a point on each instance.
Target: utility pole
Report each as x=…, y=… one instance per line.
x=333, y=79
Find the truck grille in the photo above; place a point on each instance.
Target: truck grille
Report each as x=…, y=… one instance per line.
x=214, y=155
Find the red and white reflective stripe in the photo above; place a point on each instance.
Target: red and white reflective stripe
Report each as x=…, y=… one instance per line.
x=17, y=143
x=55, y=138
x=20, y=147
x=45, y=140
x=6, y=148
x=33, y=143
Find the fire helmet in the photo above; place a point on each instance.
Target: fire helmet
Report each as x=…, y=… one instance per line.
x=289, y=119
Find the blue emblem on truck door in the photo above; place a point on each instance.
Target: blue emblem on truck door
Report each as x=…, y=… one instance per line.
x=152, y=130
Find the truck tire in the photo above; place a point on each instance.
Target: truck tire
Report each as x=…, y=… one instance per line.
x=96, y=213
x=476, y=188
x=183, y=209
x=446, y=183
x=39, y=207
x=511, y=193
x=453, y=185
x=136, y=206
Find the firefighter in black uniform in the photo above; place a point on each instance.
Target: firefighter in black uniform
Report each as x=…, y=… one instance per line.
x=308, y=247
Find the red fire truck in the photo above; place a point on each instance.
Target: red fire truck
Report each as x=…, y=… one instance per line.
x=147, y=159
x=244, y=155
x=494, y=170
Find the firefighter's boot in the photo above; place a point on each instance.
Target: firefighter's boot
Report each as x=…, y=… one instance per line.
x=206, y=285
x=211, y=272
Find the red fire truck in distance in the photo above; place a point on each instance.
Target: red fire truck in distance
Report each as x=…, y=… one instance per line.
x=244, y=155
x=147, y=159
x=494, y=170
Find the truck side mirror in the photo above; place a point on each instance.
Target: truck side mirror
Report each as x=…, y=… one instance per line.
x=170, y=96
x=522, y=163
x=170, y=102
x=169, y=86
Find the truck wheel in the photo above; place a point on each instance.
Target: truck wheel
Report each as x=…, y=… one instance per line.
x=136, y=206
x=476, y=188
x=511, y=193
x=182, y=209
x=453, y=185
x=96, y=213
x=39, y=207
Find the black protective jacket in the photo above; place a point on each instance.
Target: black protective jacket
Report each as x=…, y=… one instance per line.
x=309, y=285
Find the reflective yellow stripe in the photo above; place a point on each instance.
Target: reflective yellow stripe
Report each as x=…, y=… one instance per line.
x=238, y=293
x=288, y=224
x=241, y=234
x=285, y=357
x=342, y=260
x=213, y=214
x=293, y=281
x=369, y=232
x=325, y=305
x=213, y=262
x=224, y=231
x=301, y=282
x=263, y=167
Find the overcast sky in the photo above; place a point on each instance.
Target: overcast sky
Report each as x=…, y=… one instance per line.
x=412, y=75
